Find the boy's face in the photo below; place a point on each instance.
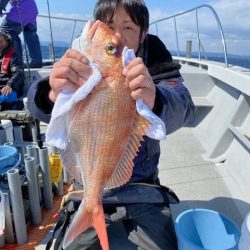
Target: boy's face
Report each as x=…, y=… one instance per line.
x=126, y=29
x=3, y=43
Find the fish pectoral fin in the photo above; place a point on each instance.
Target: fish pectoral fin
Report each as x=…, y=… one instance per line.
x=85, y=219
x=124, y=170
x=70, y=159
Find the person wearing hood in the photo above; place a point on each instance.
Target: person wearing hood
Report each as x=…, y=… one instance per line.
x=11, y=74
x=21, y=17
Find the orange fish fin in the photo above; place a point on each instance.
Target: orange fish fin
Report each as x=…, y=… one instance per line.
x=83, y=220
x=98, y=222
x=124, y=170
x=71, y=157
x=70, y=161
x=80, y=223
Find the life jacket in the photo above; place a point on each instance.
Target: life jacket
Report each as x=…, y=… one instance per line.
x=6, y=61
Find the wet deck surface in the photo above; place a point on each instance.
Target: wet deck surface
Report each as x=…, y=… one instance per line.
x=198, y=183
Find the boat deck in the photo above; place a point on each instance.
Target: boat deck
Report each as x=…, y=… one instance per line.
x=197, y=182
x=206, y=163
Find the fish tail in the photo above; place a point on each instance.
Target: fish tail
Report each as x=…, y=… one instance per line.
x=80, y=223
x=85, y=219
x=98, y=222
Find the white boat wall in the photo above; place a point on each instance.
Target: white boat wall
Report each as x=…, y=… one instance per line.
x=214, y=171
x=222, y=127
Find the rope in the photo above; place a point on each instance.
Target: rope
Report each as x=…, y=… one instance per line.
x=22, y=27
x=51, y=34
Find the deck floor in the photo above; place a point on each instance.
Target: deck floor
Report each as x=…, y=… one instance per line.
x=198, y=183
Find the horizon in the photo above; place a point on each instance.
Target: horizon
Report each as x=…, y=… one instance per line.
x=61, y=44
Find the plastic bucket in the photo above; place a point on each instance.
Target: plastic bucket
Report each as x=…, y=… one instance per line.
x=2, y=220
x=198, y=229
x=9, y=157
x=244, y=243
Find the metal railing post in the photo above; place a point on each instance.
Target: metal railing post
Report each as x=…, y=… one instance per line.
x=156, y=26
x=198, y=34
x=176, y=37
x=73, y=32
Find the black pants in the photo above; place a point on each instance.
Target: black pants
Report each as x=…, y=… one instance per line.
x=133, y=226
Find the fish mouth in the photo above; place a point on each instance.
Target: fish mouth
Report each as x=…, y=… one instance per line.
x=93, y=26
x=92, y=29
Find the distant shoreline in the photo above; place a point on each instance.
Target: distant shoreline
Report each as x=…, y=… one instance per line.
x=242, y=61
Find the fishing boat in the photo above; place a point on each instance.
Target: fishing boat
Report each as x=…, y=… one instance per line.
x=207, y=162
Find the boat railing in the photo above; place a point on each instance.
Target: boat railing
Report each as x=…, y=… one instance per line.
x=71, y=31
x=200, y=46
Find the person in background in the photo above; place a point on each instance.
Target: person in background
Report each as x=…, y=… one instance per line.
x=141, y=207
x=11, y=75
x=22, y=17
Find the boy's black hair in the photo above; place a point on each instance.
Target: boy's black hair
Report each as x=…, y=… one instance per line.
x=7, y=37
x=136, y=9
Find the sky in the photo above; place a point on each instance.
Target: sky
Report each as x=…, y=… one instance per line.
x=234, y=17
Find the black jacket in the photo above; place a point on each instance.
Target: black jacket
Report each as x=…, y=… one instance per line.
x=15, y=75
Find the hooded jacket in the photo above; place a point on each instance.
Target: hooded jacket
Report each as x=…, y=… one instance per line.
x=14, y=12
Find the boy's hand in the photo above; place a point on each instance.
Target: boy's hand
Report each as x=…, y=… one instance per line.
x=70, y=72
x=140, y=82
x=6, y=90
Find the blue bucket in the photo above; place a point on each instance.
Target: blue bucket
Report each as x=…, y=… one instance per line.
x=9, y=158
x=199, y=229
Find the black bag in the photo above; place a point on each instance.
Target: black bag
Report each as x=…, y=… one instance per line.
x=65, y=217
x=71, y=205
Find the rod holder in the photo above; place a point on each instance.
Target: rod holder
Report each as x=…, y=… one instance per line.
x=47, y=187
x=2, y=240
x=30, y=167
x=2, y=136
x=9, y=230
x=18, y=134
x=17, y=205
x=32, y=151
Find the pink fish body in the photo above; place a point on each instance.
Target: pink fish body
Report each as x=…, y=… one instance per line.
x=104, y=135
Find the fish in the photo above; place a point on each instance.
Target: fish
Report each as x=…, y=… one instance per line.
x=104, y=133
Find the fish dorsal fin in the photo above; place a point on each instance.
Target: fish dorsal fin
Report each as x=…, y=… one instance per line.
x=124, y=170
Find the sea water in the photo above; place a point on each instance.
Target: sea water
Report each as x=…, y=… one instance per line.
x=242, y=61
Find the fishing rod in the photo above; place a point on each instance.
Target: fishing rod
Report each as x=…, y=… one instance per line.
x=51, y=33
x=25, y=45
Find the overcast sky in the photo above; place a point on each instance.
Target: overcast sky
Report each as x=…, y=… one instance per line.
x=234, y=17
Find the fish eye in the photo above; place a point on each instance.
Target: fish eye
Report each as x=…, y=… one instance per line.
x=111, y=49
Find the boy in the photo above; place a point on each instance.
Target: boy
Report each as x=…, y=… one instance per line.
x=137, y=214
x=11, y=75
